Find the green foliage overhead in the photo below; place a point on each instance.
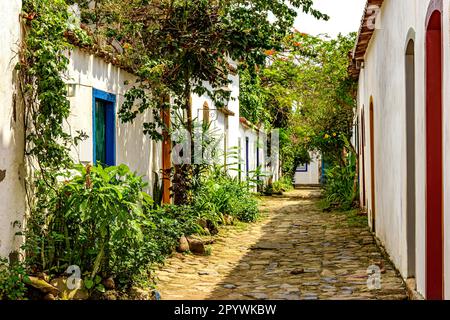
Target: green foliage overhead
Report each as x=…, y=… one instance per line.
x=326, y=104
x=176, y=46
x=305, y=90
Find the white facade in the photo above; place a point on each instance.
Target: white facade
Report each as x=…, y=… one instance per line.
x=254, y=154
x=224, y=122
x=12, y=194
x=89, y=76
x=248, y=151
x=308, y=174
x=133, y=148
x=242, y=141
x=383, y=84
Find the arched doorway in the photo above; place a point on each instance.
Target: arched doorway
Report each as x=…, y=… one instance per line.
x=410, y=158
x=363, y=158
x=372, y=163
x=434, y=160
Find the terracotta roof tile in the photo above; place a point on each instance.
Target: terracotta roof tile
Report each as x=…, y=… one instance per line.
x=365, y=34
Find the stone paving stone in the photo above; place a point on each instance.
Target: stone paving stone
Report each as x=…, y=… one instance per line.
x=257, y=261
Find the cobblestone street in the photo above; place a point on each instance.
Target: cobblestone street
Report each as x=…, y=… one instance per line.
x=294, y=252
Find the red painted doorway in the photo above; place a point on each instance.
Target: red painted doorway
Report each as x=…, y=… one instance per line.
x=434, y=159
x=363, y=160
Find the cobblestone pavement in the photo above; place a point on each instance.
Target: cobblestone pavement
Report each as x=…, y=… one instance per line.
x=295, y=251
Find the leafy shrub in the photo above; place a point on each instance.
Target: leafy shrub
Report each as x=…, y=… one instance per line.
x=282, y=185
x=287, y=183
x=221, y=194
x=161, y=237
x=96, y=219
x=339, y=188
x=11, y=285
x=101, y=220
x=245, y=208
x=279, y=186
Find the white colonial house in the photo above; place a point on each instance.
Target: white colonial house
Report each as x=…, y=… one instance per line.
x=257, y=162
x=309, y=174
x=96, y=90
x=402, y=63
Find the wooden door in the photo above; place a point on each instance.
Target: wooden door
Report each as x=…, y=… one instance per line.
x=434, y=160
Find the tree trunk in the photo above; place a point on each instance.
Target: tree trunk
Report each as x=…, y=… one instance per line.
x=182, y=180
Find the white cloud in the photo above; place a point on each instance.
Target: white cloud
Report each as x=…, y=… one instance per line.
x=345, y=17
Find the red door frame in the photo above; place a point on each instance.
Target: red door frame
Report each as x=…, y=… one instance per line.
x=434, y=155
x=363, y=146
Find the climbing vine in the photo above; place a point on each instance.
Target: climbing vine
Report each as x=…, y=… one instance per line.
x=43, y=63
x=41, y=71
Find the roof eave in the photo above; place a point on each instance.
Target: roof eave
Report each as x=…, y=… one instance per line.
x=365, y=34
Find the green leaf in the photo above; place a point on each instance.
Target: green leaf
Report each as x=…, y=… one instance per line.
x=100, y=288
x=88, y=283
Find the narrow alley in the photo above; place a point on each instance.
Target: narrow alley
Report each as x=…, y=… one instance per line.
x=294, y=252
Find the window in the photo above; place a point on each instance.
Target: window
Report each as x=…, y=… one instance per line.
x=239, y=159
x=225, y=140
x=247, y=162
x=104, y=128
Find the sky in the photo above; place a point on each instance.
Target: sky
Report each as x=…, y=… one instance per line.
x=345, y=17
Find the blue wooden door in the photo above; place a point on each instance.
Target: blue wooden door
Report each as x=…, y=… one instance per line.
x=104, y=128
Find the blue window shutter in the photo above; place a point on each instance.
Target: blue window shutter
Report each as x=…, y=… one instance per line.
x=110, y=135
x=104, y=127
x=247, y=162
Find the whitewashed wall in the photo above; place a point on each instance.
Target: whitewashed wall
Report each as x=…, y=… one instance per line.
x=311, y=176
x=252, y=143
x=217, y=119
x=133, y=148
x=383, y=78
x=12, y=195
x=255, y=146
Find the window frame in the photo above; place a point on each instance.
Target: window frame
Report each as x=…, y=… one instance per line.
x=110, y=100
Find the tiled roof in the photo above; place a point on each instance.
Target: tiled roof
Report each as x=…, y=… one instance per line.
x=365, y=33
